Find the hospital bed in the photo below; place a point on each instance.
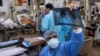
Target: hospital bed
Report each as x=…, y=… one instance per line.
x=13, y=51
x=6, y=18
x=27, y=25
x=12, y=48
x=17, y=48
x=7, y=24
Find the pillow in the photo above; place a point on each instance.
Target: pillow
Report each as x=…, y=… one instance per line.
x=19, y=18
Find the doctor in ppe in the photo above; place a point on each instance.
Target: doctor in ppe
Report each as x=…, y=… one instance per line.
x=48, y=7
x=48, y=23
x=68, y=48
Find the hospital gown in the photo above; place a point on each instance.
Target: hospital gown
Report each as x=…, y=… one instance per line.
x=48, y=23
x=42, y=14
x=68, y=48
x=66, y=29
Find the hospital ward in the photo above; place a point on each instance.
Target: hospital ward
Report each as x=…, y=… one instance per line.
x=49, y=27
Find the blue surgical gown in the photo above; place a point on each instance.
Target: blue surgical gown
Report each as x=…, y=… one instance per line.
x=68, y=48
x=66, y=29
x=48, y=23
x=42, y=14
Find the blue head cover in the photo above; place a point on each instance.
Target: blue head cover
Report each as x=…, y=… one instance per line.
x=49, y=34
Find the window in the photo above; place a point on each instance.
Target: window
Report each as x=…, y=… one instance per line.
x=1, y=3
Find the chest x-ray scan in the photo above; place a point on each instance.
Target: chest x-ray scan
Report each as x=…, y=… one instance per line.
x=65, y=16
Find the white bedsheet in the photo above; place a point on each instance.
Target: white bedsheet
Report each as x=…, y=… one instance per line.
x=12, y=51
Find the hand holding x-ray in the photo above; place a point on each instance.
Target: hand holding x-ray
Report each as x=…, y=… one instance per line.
x=74, y=5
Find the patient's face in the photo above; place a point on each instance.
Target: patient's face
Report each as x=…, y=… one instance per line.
x=23, y=17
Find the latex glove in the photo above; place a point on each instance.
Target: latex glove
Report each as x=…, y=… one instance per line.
x=77, y=30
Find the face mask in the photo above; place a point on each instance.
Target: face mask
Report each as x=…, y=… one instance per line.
x=53, y=43
x=46, y=12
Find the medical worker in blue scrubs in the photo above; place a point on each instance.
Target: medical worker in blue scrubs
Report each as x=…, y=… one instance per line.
x=48, y=23
x=68, y=48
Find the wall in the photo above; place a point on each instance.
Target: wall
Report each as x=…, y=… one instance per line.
x=92, y=1
x=56, y=3
x=5, y=6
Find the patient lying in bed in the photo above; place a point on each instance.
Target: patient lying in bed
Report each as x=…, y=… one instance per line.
x=26, y=21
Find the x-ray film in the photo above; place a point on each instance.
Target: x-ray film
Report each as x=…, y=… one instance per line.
x=65, y=16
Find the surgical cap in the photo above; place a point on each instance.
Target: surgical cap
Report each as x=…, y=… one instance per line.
x=49, y=34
